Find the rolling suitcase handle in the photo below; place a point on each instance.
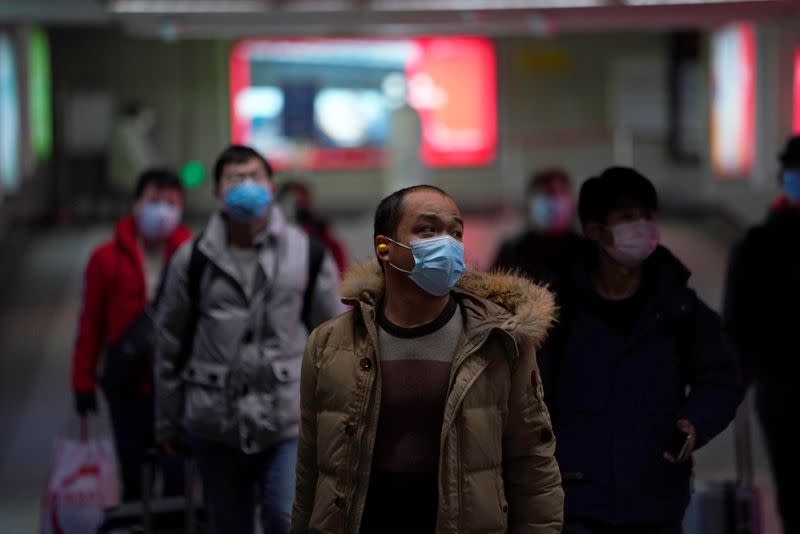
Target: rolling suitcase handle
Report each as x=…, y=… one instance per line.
x=744, y=500
x=190, y=472
x=743, y=447
x=148, y=476
x=148, y=472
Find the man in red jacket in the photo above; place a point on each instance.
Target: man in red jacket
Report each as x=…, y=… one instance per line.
x=122, y=279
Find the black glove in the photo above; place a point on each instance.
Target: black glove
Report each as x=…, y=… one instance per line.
x=85, y=402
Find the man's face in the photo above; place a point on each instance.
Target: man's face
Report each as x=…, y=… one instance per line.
x=234, y=174
x=626, y=212
x=551, y=207
x=161, y=195
x=425, y=214
x=790, y=181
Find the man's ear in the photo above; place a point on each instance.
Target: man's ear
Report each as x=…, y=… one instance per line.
x=382, y=248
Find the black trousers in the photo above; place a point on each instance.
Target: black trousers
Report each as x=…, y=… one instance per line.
x=775, y=410
x=132, y=421
x=578, y=526
x=400, y=503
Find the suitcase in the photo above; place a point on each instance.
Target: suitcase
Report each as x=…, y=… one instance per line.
x=731, y=507
x=167, y=515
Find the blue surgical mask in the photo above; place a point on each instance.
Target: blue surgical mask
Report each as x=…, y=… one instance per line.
x=248, y=201
x=550, y=212
x=157, y=220
x=791, y=184
x=438, y=263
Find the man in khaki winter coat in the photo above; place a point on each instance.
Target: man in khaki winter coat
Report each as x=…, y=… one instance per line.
x=422, y=408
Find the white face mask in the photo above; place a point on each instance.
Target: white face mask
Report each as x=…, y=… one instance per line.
x=157, y=220
x=634, y=242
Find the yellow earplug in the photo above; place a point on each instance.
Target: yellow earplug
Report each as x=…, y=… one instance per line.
x=383, y=248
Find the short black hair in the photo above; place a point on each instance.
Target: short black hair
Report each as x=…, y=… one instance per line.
x=544, y=176
x=239, y=154
x=790, y=156
x=390, y=210
x=600, y=195
x=159, y=177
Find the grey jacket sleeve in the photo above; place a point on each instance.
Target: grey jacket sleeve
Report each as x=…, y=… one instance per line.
x=170, y=323
x=326, y=302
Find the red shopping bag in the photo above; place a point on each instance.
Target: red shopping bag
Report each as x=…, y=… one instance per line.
x=82, y=484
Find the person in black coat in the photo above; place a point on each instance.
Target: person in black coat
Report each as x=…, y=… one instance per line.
x=545, y=249
x=761, y=298
x=638, y=373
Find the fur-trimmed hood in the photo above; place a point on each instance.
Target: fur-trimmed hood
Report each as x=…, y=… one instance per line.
x=503, y=299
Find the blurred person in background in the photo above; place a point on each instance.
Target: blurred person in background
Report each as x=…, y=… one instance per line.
x=419, y=413
x=762, y=292
x=297, y=203
x=545, y=251
x=122, y=281
x=134, y=145
x=631, y=340
x=238, y=305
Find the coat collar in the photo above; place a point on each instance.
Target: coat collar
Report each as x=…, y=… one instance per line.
x=214, y=242
x=498, y=300
x=663, y=269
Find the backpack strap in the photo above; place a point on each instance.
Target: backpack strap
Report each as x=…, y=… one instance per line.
x=316, y=253
x=194, y=275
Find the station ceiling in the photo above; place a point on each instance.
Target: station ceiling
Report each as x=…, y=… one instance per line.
x=238, y=18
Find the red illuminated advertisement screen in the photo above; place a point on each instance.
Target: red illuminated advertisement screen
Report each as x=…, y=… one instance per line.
x=330, y=103
x=796, y=99
x=733, y=101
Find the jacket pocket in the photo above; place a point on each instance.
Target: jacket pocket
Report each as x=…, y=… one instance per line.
x=266, y=415
x=206, y=412
x=287, y=390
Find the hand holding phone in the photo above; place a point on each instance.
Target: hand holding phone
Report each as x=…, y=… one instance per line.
x=682, y=443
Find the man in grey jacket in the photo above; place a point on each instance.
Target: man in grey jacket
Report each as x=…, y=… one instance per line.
x=237, y=308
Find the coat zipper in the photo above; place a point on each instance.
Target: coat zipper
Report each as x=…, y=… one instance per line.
x=468, y=350
x=368, y=386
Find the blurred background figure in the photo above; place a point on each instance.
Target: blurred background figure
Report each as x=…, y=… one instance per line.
x=546, y=249
x=631, y=339
x=763, y=287
x=121, y=285
x=297, y=203
x=404, y=167
x=134, y=146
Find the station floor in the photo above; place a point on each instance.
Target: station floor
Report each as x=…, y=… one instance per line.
x=40, y=283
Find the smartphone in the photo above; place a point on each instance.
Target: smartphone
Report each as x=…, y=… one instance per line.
x=680, y=440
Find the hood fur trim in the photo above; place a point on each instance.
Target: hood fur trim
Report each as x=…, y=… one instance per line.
x=532, y=306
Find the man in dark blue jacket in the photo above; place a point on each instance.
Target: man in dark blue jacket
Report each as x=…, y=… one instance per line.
x=761, y=298
x=638, y=374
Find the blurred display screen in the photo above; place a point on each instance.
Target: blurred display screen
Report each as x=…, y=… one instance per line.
x=733, y=100
x=9, y=117
x=328, y=103
x=796, y=93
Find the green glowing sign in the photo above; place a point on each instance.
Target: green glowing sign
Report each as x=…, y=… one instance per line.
x=193, y=174
x=41, y=115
